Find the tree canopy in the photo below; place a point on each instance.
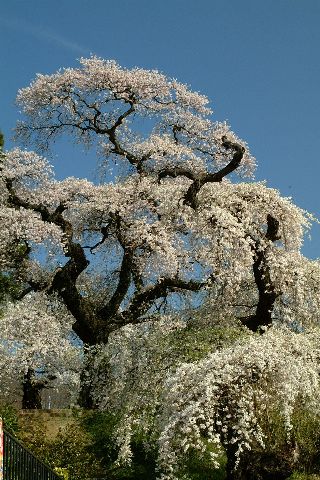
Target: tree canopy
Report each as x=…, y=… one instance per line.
x=171, y=223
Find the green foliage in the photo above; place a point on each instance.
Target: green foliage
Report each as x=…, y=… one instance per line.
x=199, y=467
x=9, y=416
x=307, y=436
x=33, y=436
x=63, y=473
x=86, y=449
x=70, y=450
x=8, y=287
x=298, y=453
x=100, y=427
x=195, y=342
x=303, y=476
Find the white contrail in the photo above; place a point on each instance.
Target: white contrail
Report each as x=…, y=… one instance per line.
x=42, y=34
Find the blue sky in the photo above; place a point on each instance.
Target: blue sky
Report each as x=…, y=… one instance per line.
x=257, y=61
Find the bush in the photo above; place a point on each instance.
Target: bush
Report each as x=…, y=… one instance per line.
x=199, y=467
x=69, y=453
x=100, y=427
x=86, y=449
x=9, y=416
x=283, y=455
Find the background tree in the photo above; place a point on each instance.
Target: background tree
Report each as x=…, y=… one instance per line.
x=36, y=350
x=27, y=368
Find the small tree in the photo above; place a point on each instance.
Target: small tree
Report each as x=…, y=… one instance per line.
x=36, y=350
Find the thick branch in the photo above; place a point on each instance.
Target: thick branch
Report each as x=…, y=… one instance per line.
x=64, y=281
x=193, y=190
x=200, y=180
x=112, y=307
x=143, y=300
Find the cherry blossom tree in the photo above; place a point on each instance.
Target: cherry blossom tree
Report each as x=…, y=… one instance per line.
x=175, y=222
x=36, y=349
x=165, y=225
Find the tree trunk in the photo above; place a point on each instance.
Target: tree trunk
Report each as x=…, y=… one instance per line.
x=32, y=388
x=86, y=397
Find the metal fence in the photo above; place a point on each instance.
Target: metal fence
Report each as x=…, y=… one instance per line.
x=20, y=464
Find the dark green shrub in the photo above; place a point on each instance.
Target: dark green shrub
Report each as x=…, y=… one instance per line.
x=71, y=450
x=283, y=454
x=100, y=427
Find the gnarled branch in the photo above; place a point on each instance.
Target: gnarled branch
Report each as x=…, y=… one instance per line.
x=198, y=181
x=142, y=301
